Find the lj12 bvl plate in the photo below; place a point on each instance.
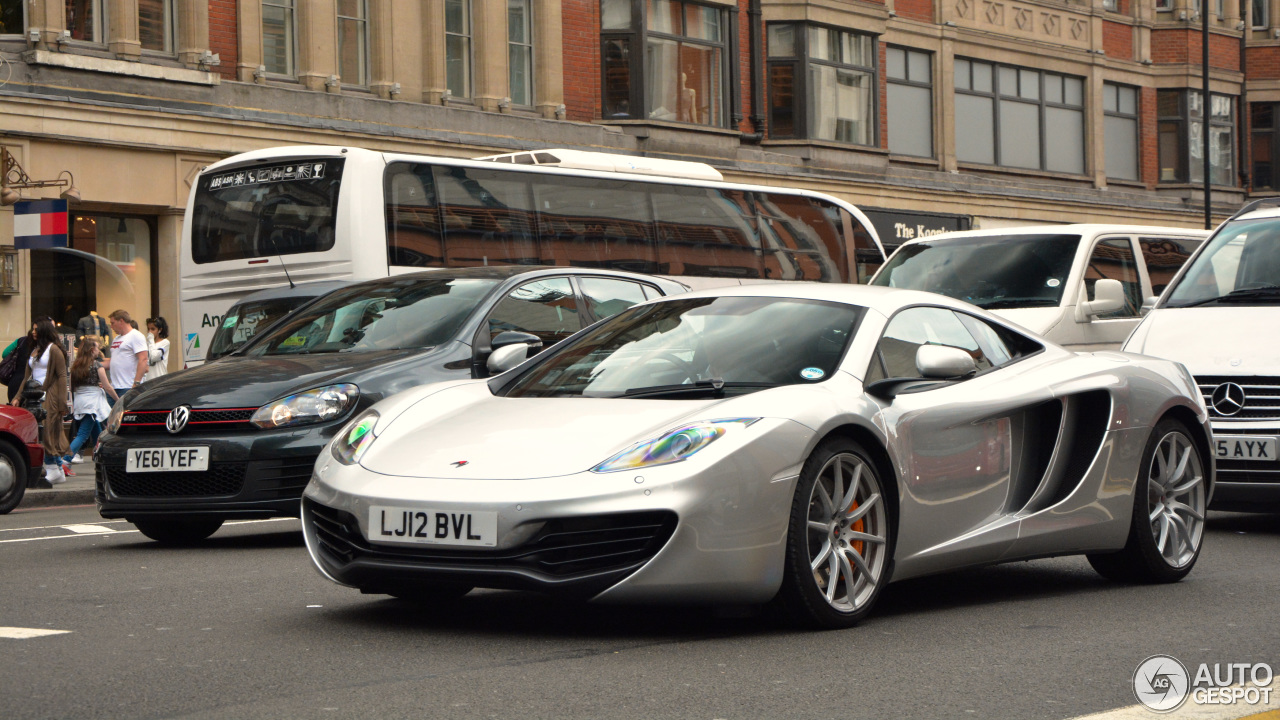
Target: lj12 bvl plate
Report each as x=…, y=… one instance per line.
x=432, y=527
x=167, y=459
x=1245, y=447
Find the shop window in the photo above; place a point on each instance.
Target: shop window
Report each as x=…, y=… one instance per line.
x=155, y=25
x=353, y=41
x=910, y=78
x=1181, y=118
x=278, y=36
x=520, y=51
x=457, y=47
x=822, y=84
x=12, y=20
x=86, y=20
x=1019, y=117
x=1120, y=126
x=683, y=77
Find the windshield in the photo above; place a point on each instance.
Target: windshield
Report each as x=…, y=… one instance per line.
x=387, y=315
x=680, y=348
x=991, y=271
x=244, y=321
x=278, y=209
x=1240, y=265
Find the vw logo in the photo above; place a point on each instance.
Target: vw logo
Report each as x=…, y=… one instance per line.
x=177, y=419
x=1227, y=399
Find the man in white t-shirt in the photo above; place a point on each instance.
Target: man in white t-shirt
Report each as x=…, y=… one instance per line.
x=128, y=361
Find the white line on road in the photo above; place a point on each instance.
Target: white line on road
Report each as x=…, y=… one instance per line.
x=89, y=529
x=50, y=527
x=18, y=633
x=107, y=531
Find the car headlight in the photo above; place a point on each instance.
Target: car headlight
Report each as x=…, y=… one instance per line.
x=113, y=420
x=672, y=446
x=354, y=440
x=312, y=406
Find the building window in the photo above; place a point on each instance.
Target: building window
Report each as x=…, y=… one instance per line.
x=520, y=51
x=85, y=20
x=1180, y=116
x=822, y=82
x=457, y=47
x=155, y=25
x=1007, y=116
x=910, y=77
x=684, y=74
x=353, y=41
x=11, y=17
x=1120, y=126
x=1111, y=5
x=1164, y=5
x=1261, y=14
x=1262, y=122
x=277, y=36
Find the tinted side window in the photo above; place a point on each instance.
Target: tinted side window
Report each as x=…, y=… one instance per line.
x=803, y=238
x=585, y=222
x=705, y=231
x=1164, y=257
x=547, y=308
x=607, y=297
x=895, y=355
x=487, y=217
x=1113, y=259
x=413, y=220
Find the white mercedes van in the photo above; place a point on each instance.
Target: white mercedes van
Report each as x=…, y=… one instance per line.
x=1081, y=286
x=1221, y=318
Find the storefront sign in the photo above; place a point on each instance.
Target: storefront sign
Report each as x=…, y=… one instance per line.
x=39, y=224
x=898, y=226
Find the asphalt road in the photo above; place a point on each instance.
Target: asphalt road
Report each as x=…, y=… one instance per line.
x=244, y=628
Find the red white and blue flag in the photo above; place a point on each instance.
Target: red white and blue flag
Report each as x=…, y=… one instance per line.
x=40, y=224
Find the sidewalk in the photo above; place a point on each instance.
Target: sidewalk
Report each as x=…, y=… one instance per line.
x=76, y=490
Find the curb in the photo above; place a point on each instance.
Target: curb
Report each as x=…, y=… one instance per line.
x=55, y=498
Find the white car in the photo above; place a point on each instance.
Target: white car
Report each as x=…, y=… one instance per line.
x=811, y=442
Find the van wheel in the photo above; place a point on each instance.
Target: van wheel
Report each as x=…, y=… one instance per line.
x=13, y=477
x=178, y=530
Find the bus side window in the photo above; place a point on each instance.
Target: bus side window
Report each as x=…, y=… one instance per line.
x=804, y=236
x=595, y=223
x=413, y=220
x=707, y=232
x=487, y=217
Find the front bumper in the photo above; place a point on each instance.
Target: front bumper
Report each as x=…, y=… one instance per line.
x=252, y=474
x=1246, y=485
x=705, y=530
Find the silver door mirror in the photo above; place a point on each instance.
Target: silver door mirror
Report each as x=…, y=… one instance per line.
x=1108, y=296
x=944, y=361
x=1149, y=304
x=507, y=357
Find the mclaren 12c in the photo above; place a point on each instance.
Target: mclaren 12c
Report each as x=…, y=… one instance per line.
x=799, y=443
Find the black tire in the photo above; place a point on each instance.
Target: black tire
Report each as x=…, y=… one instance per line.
x=178, y=530
x=1176, y=518
x=808, y=593
x=13, y=477
x=431, y=594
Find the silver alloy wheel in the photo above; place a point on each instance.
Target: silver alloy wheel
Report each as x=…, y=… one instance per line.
x=1175, y=499
x=8, y=476
x=847, y=532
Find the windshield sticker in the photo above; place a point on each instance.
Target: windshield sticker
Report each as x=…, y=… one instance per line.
x=1053, y=282
x=230, y=321
x=278, y=173
x=293, y=341
x=812, y=373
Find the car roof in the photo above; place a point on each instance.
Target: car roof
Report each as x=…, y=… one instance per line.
x=1086, y=229
x=885, y=300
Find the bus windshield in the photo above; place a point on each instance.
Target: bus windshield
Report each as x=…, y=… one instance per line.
x=278, y=209
x=388, y=315
x=990, y=271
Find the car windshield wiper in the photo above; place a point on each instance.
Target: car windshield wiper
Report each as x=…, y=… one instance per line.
x=1014, y=303
x=713, y=386
x=1268, y=292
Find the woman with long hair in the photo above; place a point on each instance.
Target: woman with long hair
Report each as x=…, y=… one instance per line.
x=48, y=366
x=90, y=389
x=23, y=347
x=157, y=348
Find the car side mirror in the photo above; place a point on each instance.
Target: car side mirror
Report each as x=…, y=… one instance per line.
x=514, y=337
x=507, y=357
x=1149, y=304
x=944, y=362
x=1108, y=296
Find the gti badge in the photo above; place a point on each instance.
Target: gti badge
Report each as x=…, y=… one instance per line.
x=1228, y=399
x=177, y=419
x=460, y=463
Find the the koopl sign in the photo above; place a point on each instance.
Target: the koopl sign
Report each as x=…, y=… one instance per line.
x=898, y=226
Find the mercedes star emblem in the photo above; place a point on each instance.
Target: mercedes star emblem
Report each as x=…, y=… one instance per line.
x=1228, y=399
x=177, y=419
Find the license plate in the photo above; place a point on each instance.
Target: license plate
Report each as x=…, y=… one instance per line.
x=169, y=459
x=1245, y=447
x=432, y=527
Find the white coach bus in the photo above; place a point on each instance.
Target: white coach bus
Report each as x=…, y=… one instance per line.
x=337, y=213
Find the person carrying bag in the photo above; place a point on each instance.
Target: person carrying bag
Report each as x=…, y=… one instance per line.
x=48, y=367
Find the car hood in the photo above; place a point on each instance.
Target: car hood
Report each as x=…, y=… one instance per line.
x=1229, y=340
x=501, y=438
x=1039, y=321
x=245, y=382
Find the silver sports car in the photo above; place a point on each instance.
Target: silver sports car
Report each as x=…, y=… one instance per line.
x=799, y=442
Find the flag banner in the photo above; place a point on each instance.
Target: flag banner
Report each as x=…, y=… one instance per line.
x=39, y=224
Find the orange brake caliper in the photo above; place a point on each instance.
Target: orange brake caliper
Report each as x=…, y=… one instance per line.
x=857, y=527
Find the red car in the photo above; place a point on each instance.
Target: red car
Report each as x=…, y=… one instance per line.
x=21, y=456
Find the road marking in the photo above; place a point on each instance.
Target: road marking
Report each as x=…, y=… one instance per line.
x=88, y=529
x=18, y=633
x=108, y=531
x=51, y=527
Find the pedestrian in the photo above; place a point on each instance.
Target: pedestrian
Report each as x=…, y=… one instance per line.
x=91, y=395
x=48, y=367
x=128, y=361
x=20, y=350
x=157, y=348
